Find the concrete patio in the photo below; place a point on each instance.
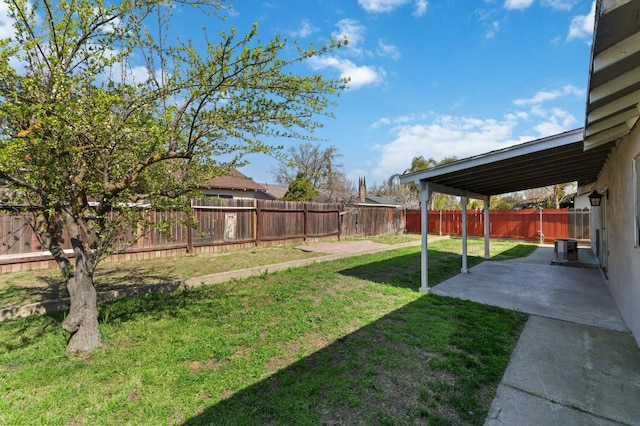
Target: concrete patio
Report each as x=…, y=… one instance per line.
x=575, y=362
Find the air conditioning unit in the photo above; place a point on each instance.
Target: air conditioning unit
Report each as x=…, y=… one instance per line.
x=565, y=250
x=560, y=250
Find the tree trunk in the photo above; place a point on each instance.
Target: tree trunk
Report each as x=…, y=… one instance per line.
x=82, y=321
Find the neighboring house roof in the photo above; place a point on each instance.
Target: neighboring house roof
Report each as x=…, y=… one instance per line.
x=234, y=180
x=379, y=201
x=331, y=196
x=277, y=191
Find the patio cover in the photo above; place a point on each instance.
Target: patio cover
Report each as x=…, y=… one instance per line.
x=548, y=161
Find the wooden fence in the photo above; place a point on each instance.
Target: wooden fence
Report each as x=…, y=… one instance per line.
x=368, y=221
x=228, y=224
x=522, y=224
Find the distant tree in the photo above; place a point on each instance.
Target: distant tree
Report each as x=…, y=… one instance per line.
x=499, y=203
x=318, y=165
x=547, y=196
x=300, y=189
x=100, y=111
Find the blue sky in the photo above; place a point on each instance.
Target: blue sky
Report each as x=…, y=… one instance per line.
x=428, y=77
x=437, y=78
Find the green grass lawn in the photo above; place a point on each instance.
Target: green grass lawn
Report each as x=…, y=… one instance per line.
x=343, y=342
x=34, y=286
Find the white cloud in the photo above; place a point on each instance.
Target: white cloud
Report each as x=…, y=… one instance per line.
x=582, y=25
x=421, y=7
x=359, y=75
x=110, y=26
x=354, y=32
x=444, y=136
x=556, y=120
x=382, y=6
x=127, y=75
x=401, y=119
x=388, y=50
x=517, y=4
x=440, y=136
x=384, y=121
x=560, y=4
x=305, y=30
x=6, y=24
x=544, y=96
x=493, y=30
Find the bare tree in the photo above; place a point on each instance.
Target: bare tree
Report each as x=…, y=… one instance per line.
x=318, y=165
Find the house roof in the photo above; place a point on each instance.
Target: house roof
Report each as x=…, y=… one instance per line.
x=234, y=180
x=381, y=199
x=277, y=191
x=614, y=76
x=612, y=110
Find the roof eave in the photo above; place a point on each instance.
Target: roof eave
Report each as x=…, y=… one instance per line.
x=613, y=99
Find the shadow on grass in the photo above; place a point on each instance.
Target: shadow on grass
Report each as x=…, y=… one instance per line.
x=30, y=331
x=16, y=294
x=53, y=287
x=404, y=271
x=115, y=278
x=520, y=250
x=436, y=360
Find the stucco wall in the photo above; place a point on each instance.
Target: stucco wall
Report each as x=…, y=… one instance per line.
x=624, y=258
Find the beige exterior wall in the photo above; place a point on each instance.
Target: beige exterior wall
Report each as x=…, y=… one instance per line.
x=617, y=228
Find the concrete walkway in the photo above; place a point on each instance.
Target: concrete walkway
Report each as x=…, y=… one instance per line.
x=575, y=362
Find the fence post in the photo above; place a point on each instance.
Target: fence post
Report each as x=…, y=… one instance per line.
x=257, y=222
x=440, y=229
x=305, y=217
x=189, y=234
x=541, y=234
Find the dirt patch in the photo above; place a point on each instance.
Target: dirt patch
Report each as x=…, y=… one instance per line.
x=349, y=247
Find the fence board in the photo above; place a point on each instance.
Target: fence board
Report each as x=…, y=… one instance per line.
x=369, y=221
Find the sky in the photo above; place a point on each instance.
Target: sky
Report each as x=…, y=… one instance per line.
x=436, y=78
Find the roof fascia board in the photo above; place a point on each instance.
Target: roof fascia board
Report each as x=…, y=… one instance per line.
x=613, y=86
x=608, y=135
x=617, y=52
x=526, y=148
x=610, y=108
x=520, y=162
x=613, y=121
x=608, y=6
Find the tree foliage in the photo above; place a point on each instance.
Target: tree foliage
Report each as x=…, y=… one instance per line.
x=318, y=165
x=300, y=189
x=412, y=190
x=100, y=111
